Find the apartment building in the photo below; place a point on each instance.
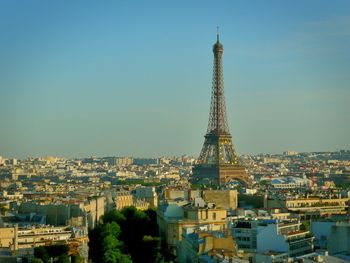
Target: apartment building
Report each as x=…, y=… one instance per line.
x=22, y=240
x=172, y=217
x=266, y=236
x=201, y=242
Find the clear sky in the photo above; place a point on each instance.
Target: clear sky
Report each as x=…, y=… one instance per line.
x=82, y=78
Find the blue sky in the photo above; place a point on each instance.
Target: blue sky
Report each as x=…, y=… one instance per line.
x=82, y=78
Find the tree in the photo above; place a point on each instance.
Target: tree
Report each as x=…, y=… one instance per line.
x=150, y=249
x=115, y=256
x=110, y=256
x=77, y=259
x=3, y=209
x=152, y=224
x=127, y=232
x=95, y=244
x=135, y=228
x=42, y=254
x=305, y=225
x=111, y=229
x=113, y=216
x=45, y=253
x=110, y=242
x=57, y=250
x=64, y=258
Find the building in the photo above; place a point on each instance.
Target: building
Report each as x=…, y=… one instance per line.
x=289, y=182
x=226, y=199
x=271, y=237
x=17, y=244
x=309, y=207
x=22, y=241
x=147, y=194
x=60, y=213
x=332, y=236
x=245, y=233
x=290, y=153
x=284, y=238
x=120, y=161
x=123, y=199
x=320, y=257
x=173, y=216
x=272, y=257
x=94, y=208
x=201, y=242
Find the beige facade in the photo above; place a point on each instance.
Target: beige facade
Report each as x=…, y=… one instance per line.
x=7, y=237
x=140, y=204
x=206, y=215
x=94, y=208
x=310, y=206
x=280, y=216
x=171, y=194
x=123, y=199
x=187, y=208
x=226, y=199
x=171, y=227
x=126, y=199
x=316, y=202
x=15, y=239
x=61, y=213
x=148, y=194
x=211, y=244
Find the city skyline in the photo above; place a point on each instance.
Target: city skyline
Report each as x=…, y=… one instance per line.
x=81, y=79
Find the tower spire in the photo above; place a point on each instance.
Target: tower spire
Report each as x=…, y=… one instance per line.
x=217, y=34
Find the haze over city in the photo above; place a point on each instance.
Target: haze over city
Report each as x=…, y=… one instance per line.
x=126, y=78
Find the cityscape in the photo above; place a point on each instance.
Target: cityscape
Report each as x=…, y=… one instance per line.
x=61, y=203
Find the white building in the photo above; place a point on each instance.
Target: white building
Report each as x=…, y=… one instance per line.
x=284, y=237
x=266, y=236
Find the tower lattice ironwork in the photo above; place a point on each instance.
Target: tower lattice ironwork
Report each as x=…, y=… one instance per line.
x=218, y=160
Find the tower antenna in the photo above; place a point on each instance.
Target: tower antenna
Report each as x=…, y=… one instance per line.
x=217, y=33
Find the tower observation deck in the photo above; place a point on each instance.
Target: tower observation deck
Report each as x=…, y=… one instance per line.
x=218, y=161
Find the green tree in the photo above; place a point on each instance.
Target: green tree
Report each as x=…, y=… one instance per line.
x=45, y=253
x=41, y=253
x=305, y=225
x=95, y=244
x=110, y=242
x=63, y=258
x=152, y=227
x=111, y=229
x=3, y=209
x=137, y=225
x=113, y=216
x=129, y=231
x=115, y=256
x=57, y=250
x=77, y=259
x=150, y=249
x=110, y=256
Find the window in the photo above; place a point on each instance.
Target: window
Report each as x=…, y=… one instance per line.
x=214, y=216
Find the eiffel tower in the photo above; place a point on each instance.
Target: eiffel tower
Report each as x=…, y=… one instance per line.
x=218, y=161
